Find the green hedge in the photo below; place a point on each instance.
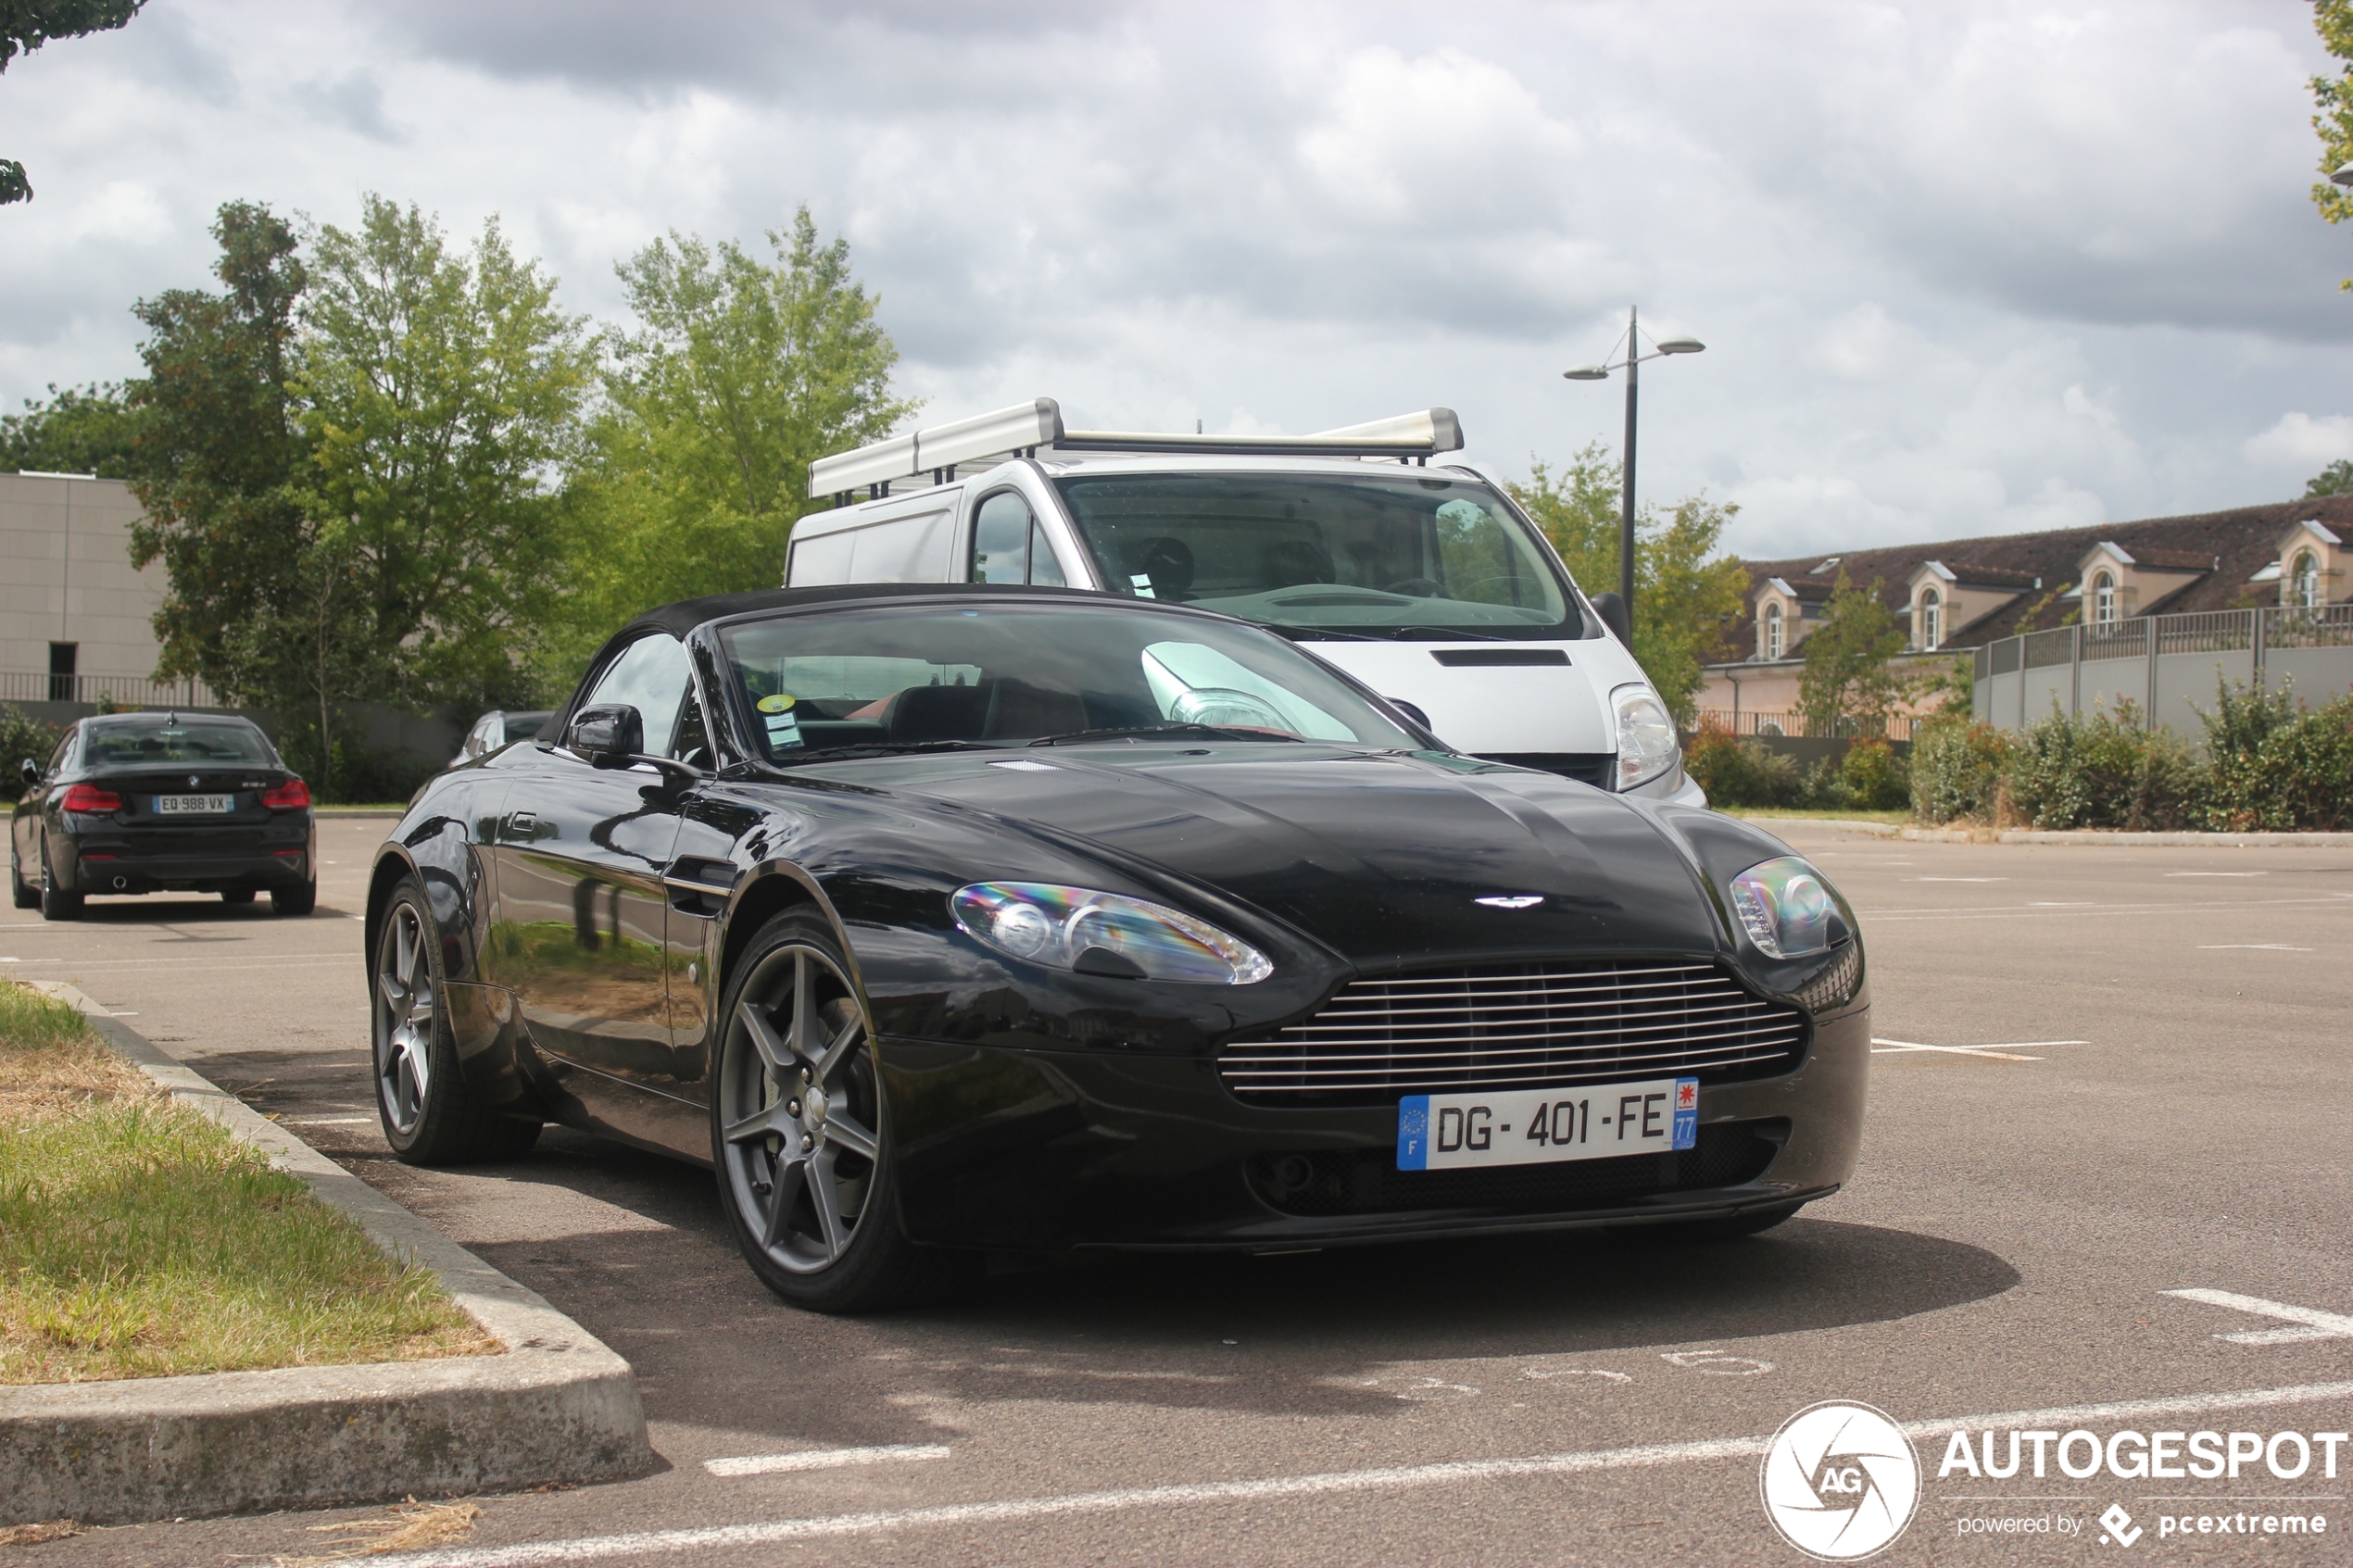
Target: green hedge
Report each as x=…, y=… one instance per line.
x=21, y=737
x=2268, y=762
x=1870, y=776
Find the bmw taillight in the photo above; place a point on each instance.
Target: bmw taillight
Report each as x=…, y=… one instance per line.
x=90, y=798
x=291, y=796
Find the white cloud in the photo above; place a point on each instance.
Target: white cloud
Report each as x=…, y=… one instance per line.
x=1960, y=268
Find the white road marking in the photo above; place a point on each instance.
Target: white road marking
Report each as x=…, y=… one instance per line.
x=723, y=1537
x=1994, y=911
x=1998, y=1053
x=1960, y=879
x=1543, y=1373
x=2311, y=1323
x=2250, y=948
x=1717, y=1363
x=2218, y=873
x=821, y=1458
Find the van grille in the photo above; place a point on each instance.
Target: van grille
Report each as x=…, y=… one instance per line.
x=1501, y=1026
x=1585, y=767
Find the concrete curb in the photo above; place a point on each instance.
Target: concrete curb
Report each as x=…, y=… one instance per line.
x=556, y=1406
x=2136, y=840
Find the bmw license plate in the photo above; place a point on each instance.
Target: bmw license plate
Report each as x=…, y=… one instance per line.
x=195, y=805
x=1539, y=1126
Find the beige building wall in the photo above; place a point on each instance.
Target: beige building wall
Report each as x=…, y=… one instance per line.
x=66, y=577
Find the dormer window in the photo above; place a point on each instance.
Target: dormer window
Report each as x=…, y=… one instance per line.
x=2304, y=582
x=2102, y=597
x=1773, y=631
x=1932, y=633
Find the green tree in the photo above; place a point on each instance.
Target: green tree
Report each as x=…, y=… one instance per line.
x=738, y=373
x=219, y=455
x=2334, y=97
x=88, y=430
x=1850, y=671
x=441, y=394
x=25, y=25
x=2334, y=480
x=1685, y=593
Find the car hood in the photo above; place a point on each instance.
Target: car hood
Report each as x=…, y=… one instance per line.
x=1382, y=856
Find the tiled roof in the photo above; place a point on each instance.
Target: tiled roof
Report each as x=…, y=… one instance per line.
x=2246, y=539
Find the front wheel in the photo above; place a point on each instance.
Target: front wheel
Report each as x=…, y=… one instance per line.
x=800, y=1132
x=429, y=1115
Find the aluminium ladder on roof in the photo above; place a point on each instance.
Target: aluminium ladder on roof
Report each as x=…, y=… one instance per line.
x=1023, y=429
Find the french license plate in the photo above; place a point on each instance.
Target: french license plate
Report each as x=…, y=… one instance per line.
x=1541, y=1126
x=193, y=805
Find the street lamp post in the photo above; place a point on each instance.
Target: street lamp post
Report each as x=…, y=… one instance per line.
x=1631, y=365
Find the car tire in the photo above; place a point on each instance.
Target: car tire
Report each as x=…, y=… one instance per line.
x=27, y=896
x=294, y=900
x=236, y=894
x=56, y=902
x=791, y=1021
x=430, y=1117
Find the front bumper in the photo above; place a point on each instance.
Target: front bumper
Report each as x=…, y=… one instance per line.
x=1030, y=1150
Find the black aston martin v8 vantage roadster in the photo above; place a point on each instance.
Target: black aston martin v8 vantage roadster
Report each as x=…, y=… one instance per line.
x=948, y=919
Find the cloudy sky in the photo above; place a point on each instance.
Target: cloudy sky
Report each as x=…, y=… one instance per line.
x=1961, y=269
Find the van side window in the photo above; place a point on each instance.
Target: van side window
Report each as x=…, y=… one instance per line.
x=1010, y=546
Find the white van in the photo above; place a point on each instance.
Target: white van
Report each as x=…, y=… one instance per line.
x=1423, y=580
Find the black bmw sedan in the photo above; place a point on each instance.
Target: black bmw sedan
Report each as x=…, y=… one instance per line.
x=162, y=802
x=943, y=920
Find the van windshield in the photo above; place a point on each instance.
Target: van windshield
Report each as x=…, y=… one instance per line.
x=1321, y=555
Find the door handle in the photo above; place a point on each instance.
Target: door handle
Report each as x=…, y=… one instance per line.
x=522, y=821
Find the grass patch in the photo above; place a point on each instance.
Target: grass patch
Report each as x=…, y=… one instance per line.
x=138, y=1239
x=1852, y=814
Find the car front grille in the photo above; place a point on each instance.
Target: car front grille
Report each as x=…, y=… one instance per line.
x=1585, y=767
x=1368, y=1181
x=1436, y=1031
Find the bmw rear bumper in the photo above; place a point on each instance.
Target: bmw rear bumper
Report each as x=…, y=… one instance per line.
x=1020, y=1150
x=103, y=860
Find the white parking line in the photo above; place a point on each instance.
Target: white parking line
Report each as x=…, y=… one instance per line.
x=821, y=1458
x=2218, y=873
x=2250, y=948
x=723, y=1537
x=1998, y=1053
x=2311, y=1323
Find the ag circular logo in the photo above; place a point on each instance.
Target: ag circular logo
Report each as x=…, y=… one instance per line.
x=1840, y=1481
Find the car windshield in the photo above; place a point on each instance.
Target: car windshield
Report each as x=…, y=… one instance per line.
x=1413, y=556
x=1009, y=672
x=130, y=743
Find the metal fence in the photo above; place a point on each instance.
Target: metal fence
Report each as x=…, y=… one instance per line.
x=127, y=691
x=1897, y=726
x=2166, y=667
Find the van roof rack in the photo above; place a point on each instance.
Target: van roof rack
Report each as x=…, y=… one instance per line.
x=1024, y=428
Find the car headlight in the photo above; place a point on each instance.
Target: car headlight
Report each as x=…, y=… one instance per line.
x=1092, y=933
x=1646, y=744
x=1787, y=908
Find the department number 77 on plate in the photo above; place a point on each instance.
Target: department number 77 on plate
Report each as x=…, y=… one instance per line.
x=1539, y=1126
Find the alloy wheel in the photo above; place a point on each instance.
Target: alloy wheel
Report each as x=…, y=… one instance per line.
x=799, y=1111
x=404, y=1006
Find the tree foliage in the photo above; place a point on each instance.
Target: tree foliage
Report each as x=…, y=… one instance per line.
x=89, y=430
x=1850, y=672
x=440, y=395
x=2334, y=97
x=2334, y=480
x=738, y=373
x=1685, y=593
x=25, y=25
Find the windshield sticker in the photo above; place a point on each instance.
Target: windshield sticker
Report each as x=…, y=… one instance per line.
x=779, y=703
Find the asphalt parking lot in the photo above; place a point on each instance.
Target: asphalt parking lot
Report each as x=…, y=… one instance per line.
x=2104, y=1074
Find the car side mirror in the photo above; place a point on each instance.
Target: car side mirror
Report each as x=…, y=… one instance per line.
x=1614, y=614
x=610, y=734
x=29, y=770
x=1413, y=712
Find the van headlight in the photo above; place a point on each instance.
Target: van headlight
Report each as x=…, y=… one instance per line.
x=1092, y=933
x=1646, y=744
x=1787, y=908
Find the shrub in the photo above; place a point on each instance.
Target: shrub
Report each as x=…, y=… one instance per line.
x=1874, y=776
x=1738, y=772
x=2103, y=770
x=1958, y=768
x=22, y=735
x=2272, y=764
